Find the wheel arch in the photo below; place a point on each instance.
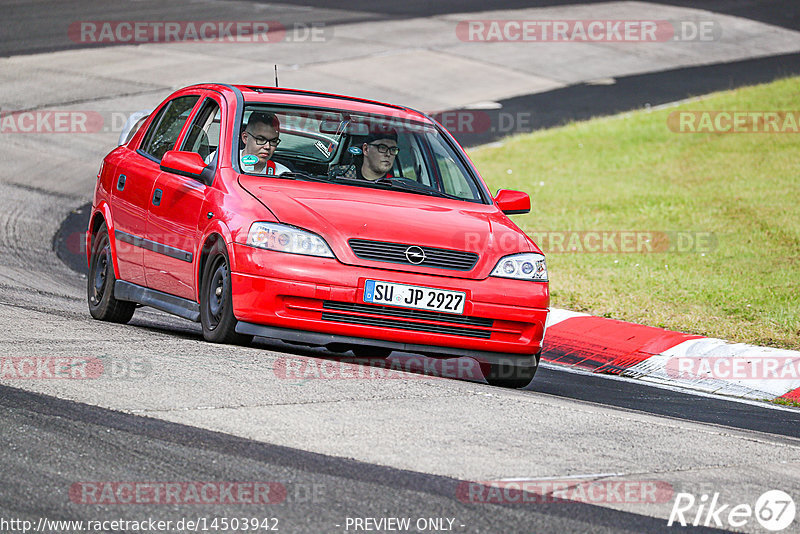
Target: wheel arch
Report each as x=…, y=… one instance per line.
x=213, y=237
x=101, y=216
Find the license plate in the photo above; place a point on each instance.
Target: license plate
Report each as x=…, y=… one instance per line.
x=421, y=298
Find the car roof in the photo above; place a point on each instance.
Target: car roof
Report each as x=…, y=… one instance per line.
x=287, y=96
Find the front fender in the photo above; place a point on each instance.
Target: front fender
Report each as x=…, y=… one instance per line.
x=218, y=227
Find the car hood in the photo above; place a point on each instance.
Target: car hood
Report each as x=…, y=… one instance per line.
x=340, y=212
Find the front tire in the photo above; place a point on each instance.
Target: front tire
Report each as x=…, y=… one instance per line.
x=216, y=301
x=100, y=284
x=508, y=375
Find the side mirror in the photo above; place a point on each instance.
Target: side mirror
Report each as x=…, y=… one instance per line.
x=513, y=202
x=189, y=164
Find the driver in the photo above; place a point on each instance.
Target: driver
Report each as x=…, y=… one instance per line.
x=261, y=137
x=378, y=150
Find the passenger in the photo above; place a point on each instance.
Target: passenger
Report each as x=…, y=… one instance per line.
x=379, y=151
x=261, y=137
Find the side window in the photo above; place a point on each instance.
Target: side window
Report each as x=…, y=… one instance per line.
x=203, y=135
x=454, y=176
x=164, y=130
x=410, y=159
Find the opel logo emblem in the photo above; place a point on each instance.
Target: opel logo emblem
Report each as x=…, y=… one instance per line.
x=415, y=255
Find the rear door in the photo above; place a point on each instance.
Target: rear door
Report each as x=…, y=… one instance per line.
x=176, y=218
x=132, y=187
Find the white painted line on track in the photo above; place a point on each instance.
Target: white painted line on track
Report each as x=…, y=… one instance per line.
x=668, y=386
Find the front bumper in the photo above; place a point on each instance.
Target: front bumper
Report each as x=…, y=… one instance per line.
x=276, y=295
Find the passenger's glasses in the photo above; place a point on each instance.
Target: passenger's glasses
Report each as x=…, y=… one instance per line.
x=383, y=149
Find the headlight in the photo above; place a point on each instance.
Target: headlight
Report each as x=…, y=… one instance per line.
x=283, y=238
x=529, y=266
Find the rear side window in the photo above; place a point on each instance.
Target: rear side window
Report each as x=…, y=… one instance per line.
x=167, y=126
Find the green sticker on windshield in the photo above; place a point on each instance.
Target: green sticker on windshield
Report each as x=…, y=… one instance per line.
x=249, y=159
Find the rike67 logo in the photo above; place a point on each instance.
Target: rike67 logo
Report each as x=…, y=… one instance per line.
x=774, y=510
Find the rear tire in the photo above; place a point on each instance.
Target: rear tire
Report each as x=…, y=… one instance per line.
x=100, y=284
x=216, y=301
x=508, y=375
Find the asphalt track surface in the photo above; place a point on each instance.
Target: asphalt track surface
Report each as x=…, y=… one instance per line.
x=49, y=443
x=321, y=491
x=39, y=25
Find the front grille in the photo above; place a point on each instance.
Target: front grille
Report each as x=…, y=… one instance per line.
x=409, y=313
x=439, y=258
x=407, y=319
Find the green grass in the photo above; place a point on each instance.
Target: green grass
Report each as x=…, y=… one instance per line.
x=786, y=402
x=632, y=173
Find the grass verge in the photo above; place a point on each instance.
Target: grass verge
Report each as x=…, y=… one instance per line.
x=712, y=219
x=786, y=402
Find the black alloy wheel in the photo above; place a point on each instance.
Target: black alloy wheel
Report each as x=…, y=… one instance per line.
x=216, y=301
x=100, y=284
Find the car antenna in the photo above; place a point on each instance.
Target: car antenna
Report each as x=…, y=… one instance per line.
x=276, y=75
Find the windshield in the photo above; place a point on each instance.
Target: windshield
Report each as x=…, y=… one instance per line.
x=354, y=149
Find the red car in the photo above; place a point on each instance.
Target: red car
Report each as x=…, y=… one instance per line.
x=316, y=219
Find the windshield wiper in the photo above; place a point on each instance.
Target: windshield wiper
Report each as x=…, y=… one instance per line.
x=413, y=187
x=294, y=175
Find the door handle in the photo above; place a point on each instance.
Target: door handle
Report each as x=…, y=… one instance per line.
x=157, y=197
x=121, y=182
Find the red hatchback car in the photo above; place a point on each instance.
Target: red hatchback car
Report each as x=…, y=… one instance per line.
x=316, y=219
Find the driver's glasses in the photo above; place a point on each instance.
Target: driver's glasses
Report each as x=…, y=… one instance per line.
x=261, y=141
x=383, y=149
